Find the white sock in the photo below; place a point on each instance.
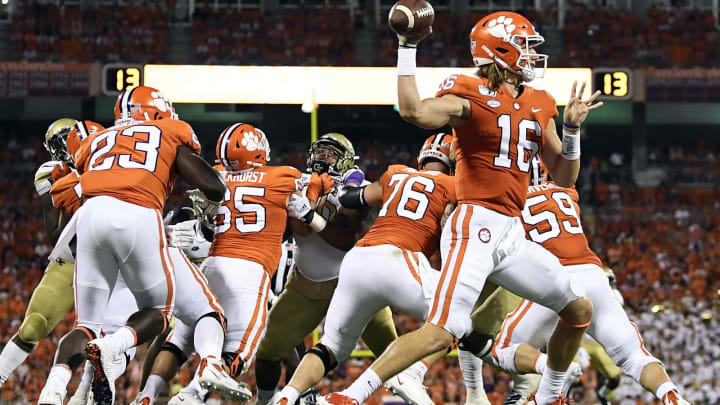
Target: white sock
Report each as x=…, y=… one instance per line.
x=12, y=357
x=550, y=386
x=471, y=368
x=209, y=337
x=154, y=386
x=417, y=370
x=59, y=377
x=364, y=386
x=86, y=380
x=290, y=393
x=664, y=388
x=541, y=363
x=264, y=396
x=123, y=339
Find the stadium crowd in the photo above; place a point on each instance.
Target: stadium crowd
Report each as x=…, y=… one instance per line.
x=42, y=31
x=662, y=242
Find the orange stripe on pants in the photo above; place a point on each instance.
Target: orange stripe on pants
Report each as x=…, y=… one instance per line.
x=453, y=245
x=504, y=329
x=166, y=268
x=458, y=264
x=212, y=299
x=411, y=266
x=260, y=329
x=642, y=343
x=260, y=302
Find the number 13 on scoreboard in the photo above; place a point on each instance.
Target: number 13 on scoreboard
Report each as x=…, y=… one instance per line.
x=118, y=77
x=614, y=84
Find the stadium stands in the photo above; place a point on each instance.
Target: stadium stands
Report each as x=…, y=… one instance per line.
x=325, y=36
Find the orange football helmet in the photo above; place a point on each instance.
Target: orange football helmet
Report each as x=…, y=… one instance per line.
x=78, y=133
x=538, y=172
x=440, y=147
x=508, y=39
x=241, y=147
x=142, y=103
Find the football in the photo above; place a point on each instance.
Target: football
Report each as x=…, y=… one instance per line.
x=411, y=18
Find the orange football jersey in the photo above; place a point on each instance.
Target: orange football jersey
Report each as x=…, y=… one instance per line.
x=134, y=163
x=66, y=192
x=495, y=144
x=413, y=204
x=552, y=219
x=251, y=221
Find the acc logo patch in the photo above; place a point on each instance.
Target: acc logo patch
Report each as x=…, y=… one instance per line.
x=484, y=235
x=493, y=103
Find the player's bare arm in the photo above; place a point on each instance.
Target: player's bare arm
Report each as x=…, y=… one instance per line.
x=430, y=113
x=199, y=174
x=51, y=218
x=563, y=157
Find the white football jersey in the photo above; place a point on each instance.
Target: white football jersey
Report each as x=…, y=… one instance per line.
x=316, y=259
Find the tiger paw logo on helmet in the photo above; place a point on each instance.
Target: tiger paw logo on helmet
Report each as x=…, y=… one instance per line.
x=161, y=102
x=250, y=141
x=501, y=27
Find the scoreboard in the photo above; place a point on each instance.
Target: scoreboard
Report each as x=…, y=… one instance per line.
x=613, y=83
x=117, y=77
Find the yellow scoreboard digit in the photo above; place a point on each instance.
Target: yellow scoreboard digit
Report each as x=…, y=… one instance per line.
x=118, y=77
x=614, y=84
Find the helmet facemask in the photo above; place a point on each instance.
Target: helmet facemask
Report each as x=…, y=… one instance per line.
x=330, y=155
x=56, y=145
x=529, y=59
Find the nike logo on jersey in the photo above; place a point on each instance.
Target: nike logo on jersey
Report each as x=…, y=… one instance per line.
x=536, y=109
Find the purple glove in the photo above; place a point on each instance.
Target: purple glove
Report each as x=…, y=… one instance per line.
x=354, y=177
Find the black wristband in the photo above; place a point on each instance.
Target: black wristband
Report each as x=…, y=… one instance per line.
x=309, y=216
x=352, y=197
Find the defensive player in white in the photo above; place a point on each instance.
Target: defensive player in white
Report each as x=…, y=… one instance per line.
x=303, y=304
x=389, y=265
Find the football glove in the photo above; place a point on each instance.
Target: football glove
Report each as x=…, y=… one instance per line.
x=205, y=210
x=319, y=184
x=182, y=234
x=299, y=207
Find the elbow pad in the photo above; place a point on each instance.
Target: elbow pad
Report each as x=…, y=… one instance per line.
x=352, y=197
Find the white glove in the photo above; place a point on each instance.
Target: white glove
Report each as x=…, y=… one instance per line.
x=205, y=210
x=182, y=234
x=299, y=207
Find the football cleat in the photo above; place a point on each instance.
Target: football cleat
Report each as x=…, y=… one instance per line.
x=281, y=401
x=410, y=389
x=51, y=396
x=561, y=400
x=142, y=399
x=186, y=398
x=103, y=357
x=213, y=377
x=674, y=398
x=571, y=377
x=309, y=397
x=336, y=398
x=516, y=398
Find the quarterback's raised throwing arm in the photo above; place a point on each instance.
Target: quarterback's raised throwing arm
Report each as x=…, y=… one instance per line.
x=452, y=107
